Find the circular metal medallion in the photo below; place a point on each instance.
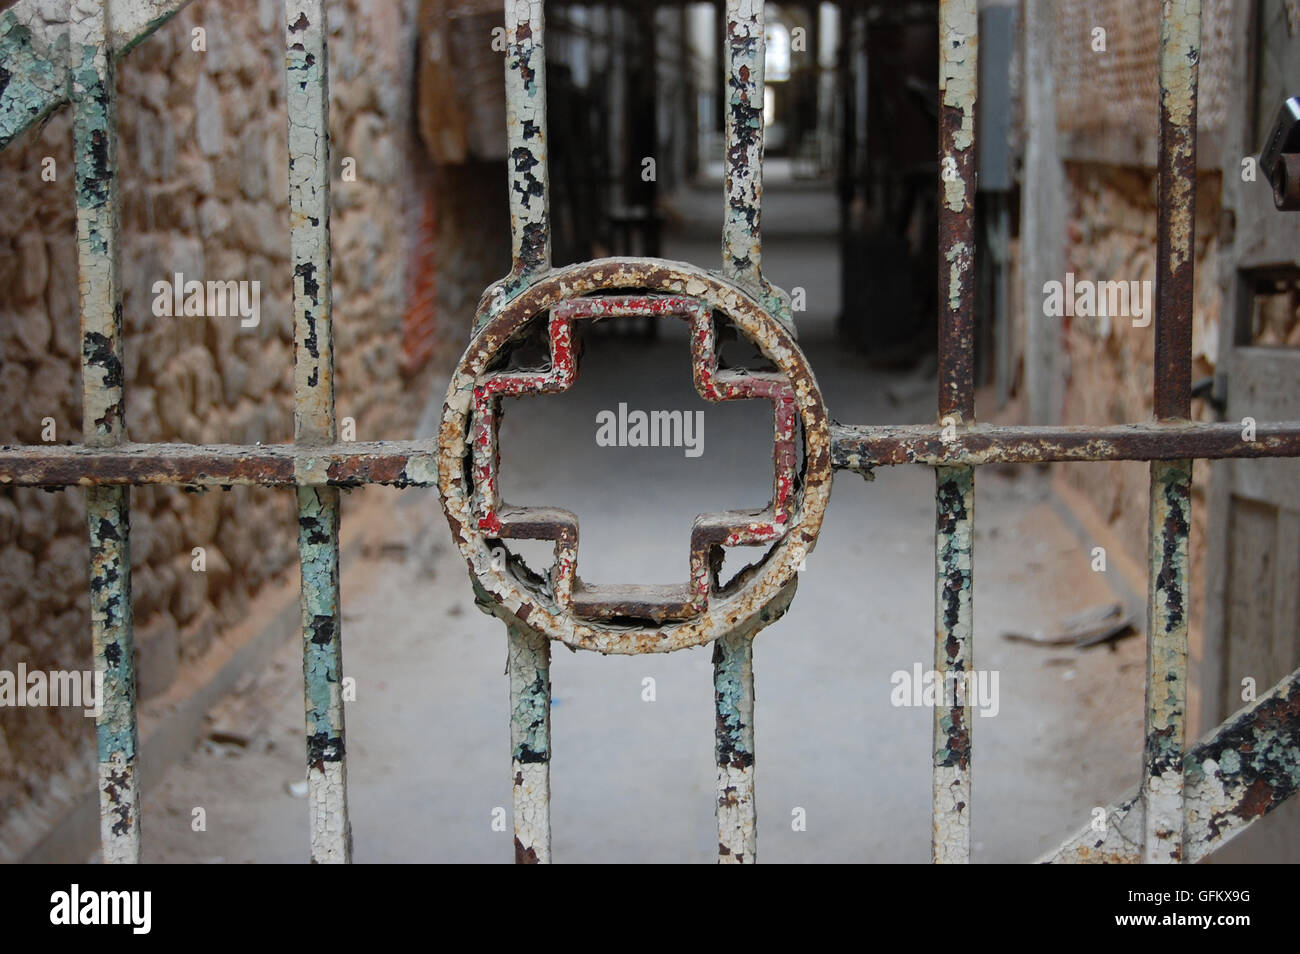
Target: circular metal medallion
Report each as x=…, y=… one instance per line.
x=634, y=619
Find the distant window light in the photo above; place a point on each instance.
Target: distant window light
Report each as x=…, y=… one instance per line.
x=776, y=61
x=769, y=106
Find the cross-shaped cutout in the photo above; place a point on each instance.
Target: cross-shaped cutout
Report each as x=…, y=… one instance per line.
x=709, y=532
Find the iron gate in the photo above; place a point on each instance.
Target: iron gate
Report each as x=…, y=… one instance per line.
x=1189, y=801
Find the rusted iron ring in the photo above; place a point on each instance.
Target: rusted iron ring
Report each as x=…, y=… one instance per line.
x=479, y=521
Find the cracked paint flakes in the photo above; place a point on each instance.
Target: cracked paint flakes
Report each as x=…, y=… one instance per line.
x=318, y=526
x=1248, y=768
x=1180, y=42
x=526, y=137
x=1166, y=702
x=742, y=253
x=954, y=566
x=742, y=256
x=108, y=522
x=33, y=70
x=960, y=259
x=958, y=77
x=307, y=86
x=958, y=42
x=100, y=296
x=530, y=741
x=1235, y=775
x=34, y=53
x=733, y=695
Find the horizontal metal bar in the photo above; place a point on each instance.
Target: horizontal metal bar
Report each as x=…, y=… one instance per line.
x=1233, y=777
x=860, y=448
x=413, y=463
x=394, y=463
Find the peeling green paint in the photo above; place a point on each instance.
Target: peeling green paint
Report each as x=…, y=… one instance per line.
x=34, y=54
x=307, y=89
x=33, y=76
x=1238, y=773
x=1166, y=703
x=530, y=741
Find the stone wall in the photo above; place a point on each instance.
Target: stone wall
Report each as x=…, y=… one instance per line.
x=204, y=192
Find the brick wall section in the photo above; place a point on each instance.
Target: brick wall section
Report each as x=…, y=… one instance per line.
x=1109, y=371
x=203, y=187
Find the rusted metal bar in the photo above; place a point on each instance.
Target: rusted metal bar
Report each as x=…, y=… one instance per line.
x=1180, y=50
x=1234, y=776
x=954, y=591
x=530, y=742
x=92, y=89
x=307, y=76
x=955, y=486
x=1171, y=481
x=33, y=53
x=958, y=51
x=393, y=463
x=863, y=447
x=412, y=463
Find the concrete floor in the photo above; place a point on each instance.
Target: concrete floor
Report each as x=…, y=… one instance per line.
x=428, y=737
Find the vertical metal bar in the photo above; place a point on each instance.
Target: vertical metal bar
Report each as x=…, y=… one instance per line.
x=526, y=139
x=1171, y=481
x=1166, y=692
x=307, y=80
x=733, y=655
x=955, y=486
x=530, y=244
x=953, y=598
x=733, y=694
x=1180, y=43
x=958, y=45
x=530, y=742
x=93, y=93
x=741, y=242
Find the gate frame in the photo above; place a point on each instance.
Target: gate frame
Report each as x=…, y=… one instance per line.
x=1188, y=802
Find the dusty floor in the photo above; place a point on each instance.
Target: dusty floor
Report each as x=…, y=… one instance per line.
x=632, y=780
